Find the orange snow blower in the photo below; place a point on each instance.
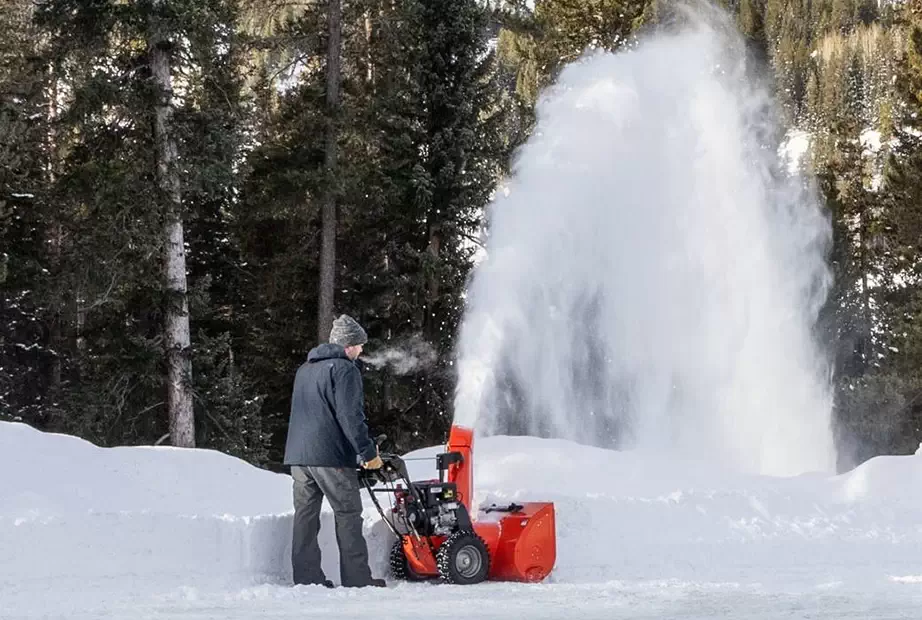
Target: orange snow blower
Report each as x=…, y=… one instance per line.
x=438, y=539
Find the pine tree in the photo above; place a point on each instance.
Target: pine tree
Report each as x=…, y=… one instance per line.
x=902, y=220
x=559, y=32
x=844, y=182
x=113, y=205
x=423, y=121
x=435, y=144
x=421, y=144
x=27, y=356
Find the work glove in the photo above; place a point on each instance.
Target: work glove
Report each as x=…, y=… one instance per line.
x=375, y=463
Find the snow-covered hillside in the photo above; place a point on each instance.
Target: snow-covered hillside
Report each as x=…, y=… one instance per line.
x=135, y=533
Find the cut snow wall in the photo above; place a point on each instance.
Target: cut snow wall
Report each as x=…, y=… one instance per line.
x=69, y=509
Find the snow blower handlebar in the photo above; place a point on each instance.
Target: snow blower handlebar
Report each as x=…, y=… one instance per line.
x=391, y=470
x=455, y=465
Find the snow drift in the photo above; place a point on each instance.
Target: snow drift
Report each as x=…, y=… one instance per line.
x=163, y=518
x=69, y=509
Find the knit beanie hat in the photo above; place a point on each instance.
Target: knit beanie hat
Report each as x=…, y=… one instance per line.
x=346, y=332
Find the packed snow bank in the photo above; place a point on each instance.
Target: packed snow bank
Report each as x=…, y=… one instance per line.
x=61, y=475
x=162, y=520
x=71, y=509
x=625, y=515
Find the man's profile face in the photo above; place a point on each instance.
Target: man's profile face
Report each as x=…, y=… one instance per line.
x=354, y=351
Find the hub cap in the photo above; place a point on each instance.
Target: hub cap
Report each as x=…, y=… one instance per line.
x=468, y=561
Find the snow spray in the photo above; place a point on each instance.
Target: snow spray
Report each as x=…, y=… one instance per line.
x=652, y=271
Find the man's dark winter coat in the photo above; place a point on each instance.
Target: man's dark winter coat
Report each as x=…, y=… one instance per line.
x=327, y=427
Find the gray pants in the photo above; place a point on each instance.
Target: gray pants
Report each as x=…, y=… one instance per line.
x=341, y=488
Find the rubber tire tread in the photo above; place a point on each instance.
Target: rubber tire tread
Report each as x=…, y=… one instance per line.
x=459, y=539
x=400, y=568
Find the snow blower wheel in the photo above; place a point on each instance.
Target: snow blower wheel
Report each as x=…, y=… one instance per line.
x=400, y=568
x=463, y=559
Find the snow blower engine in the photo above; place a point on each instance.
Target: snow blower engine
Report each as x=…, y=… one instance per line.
x=437, y=538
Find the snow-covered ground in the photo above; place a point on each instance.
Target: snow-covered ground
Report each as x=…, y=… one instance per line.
x=163, y=533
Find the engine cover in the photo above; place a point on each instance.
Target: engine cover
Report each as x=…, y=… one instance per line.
x=432, y=510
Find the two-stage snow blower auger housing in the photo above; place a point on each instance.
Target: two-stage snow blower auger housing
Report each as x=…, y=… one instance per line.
x=437, y=536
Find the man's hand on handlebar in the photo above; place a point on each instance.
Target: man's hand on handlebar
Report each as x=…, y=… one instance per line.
x=375, y=463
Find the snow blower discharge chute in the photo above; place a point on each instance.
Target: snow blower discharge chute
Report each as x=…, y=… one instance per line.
x=437, y=537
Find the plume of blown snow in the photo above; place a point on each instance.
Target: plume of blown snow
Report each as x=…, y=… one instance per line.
x=653, y=274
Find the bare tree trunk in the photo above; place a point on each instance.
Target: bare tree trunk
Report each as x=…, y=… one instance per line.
x=369, y=63
x=176, y=316
x=328, y=228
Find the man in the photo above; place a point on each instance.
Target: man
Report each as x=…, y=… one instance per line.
x=327, y=439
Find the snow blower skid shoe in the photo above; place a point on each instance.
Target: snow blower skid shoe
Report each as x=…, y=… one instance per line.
x=436, y=537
